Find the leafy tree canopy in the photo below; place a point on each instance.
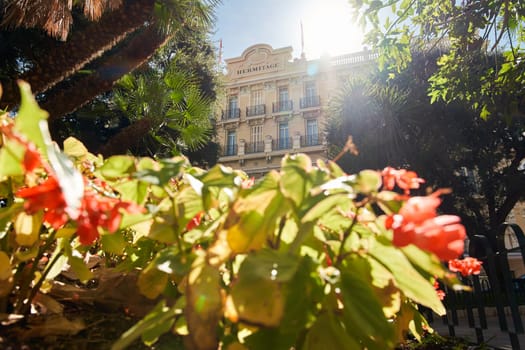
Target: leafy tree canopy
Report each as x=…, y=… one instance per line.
x=393, y=124
x=466, y=30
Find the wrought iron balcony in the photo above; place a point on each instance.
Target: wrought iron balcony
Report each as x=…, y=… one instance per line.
x=310, y=140
x=252, y=111
x=234, y=113
x=282, y=106
x=229, y=150
x=255, y=147
x=284, y=143
x=310, y=101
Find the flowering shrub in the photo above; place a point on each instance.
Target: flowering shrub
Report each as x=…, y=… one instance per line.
x=307, y=257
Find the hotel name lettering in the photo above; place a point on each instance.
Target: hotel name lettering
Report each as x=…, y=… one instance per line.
x=258, y=68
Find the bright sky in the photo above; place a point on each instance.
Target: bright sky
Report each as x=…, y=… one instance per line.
x=327, y=26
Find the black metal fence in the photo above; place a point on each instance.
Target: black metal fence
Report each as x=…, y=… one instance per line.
x=496, y=304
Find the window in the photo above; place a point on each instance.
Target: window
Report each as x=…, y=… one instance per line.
x=284, y=139
x=257, y=106
x=257, y=97
x=231, y=143
x=283, y=94
x=284, y=103
x=312, y=132
x=233, y=108
x=257, y=143
x=310, y=89
x=310, y=99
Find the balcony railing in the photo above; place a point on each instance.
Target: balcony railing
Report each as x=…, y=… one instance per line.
x=252, y=111
x=255, y=147
x=282, y=106
x=284, y=143
x=231, y=114
x=229, y=150
x=310, y=140
x=310, y=101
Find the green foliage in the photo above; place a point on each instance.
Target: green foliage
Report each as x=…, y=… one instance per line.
x=468, y=34
x=302, y=258
x=393, y=124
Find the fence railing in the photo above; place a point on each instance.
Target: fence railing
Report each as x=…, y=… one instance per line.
x=229, y=150
x=252, y=111
x=497, y=301
x=254, y=147
x=282, y=143
x=282, y=106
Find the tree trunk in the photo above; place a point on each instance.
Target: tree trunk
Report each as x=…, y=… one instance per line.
x=66, y=99
x=64, y=59
x=126, y=138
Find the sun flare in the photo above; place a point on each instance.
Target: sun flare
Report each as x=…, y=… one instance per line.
x=328, y=29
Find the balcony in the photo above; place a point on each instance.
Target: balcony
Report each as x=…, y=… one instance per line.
x=310, y=140
x=231, y=114
x=282, y=106
x=309, y=102
x=229, y=150
x=280, y=144
x=252, y=111
x=254, y=147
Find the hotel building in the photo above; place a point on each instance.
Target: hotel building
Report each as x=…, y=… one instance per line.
x=274, y=105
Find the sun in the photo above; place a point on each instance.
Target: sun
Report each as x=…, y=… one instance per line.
x=328, y=29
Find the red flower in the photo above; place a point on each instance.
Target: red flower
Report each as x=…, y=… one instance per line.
x=467, y=266
x=96, y=211
x=32, y=159
x=417, y=223
x=406, y=180
x=195, y=221
x=440, y=293
x=99, y=211
x=46, y=196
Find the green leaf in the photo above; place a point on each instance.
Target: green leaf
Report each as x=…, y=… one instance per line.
x=74, y=148
x=328, y=333
x=78, y=266
x=362, y=310
x=113, y=243
x=152, y=281
x=117, y=166
x=29, y=116
x=11, y=159
x=389, y=201
x=257, y=300
x=132, y=190
x=171, y=261
x=294, y=182
x=203, y=305
x=248, y=233
x=407, y=278
x=271, y=265
x=368, y=181
x=219, y=175
x=157, y=319
x=325, y=206
x=163, y=229
x=427, y=263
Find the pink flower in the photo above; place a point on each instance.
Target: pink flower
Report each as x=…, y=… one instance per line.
x=467, y=266
x=417, y=223
x=406, y=180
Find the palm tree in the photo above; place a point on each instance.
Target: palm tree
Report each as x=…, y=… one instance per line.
x=53, y=16
x=167, y=112
x=121, y=40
